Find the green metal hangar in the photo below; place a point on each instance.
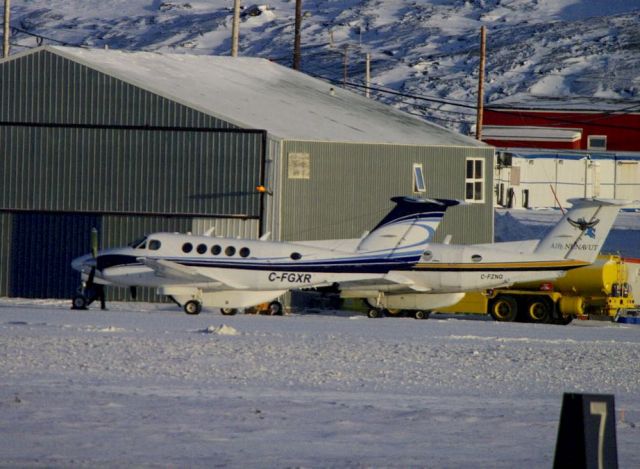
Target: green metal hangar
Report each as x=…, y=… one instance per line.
x=136, y=142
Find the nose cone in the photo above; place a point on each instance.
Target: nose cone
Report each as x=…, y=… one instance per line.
x=83, y=263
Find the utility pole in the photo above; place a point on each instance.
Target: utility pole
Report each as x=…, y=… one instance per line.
x=296, y=40
x=480, y=107
x=7, y=29
x=345, y=64
x=367, y=74
x=235, y=28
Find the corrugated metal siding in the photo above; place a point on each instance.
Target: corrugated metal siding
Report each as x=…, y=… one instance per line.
x=273, y=180
x=5, y=252
x=121, y=230
x=350, y=186
x=227, y=227
x=45, y=87
x=131, y=170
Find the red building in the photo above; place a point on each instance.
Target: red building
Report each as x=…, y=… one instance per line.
x=596, y=130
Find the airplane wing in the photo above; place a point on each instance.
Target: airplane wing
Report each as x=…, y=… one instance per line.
x=392, y=282
x=176, y=271
x=173, y=270
x=402, y=280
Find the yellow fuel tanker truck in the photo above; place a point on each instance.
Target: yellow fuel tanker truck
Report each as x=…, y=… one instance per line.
x=603, y=289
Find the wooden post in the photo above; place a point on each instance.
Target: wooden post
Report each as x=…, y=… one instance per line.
x=367, y=74
x=296, y=40
x=235, y=28
x=7, y=28
x=480, y=107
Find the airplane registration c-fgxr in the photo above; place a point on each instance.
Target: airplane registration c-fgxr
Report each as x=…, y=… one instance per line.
x=396, y=265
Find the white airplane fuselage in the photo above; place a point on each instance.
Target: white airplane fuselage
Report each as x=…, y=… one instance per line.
x=238, y=272
x=396, y=265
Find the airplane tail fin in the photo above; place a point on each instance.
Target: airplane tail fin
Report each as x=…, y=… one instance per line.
x=582, y=231
x=408, y=227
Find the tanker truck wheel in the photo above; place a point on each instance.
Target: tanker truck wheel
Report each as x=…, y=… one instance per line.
x=504, y=309
x=539, y=310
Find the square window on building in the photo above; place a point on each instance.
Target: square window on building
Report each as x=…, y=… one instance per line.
x=597, y=142
x=418, y=178
x=474, y=180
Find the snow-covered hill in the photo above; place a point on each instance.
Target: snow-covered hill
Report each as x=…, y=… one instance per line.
x=539, y=48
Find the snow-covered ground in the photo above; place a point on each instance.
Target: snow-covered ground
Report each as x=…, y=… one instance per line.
x=146, y=385
x=543, y=49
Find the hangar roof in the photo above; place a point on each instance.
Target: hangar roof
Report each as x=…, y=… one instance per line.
x=256, y=93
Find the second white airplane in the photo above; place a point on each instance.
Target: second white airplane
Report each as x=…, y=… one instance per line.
x=396, y=265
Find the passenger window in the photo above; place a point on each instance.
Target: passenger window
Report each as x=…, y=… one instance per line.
x=187, y=247
x=244, y=252
x=154, y=245
x=201, y=248
x=476, y=258
x=230, y=251
x=296, y=256
x=216, y=249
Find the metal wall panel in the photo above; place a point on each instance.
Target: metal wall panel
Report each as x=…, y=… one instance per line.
x=350, y=185
x=273, y=181
x=226, y=227
x=59, y=153
x=130, y=171
x=45, y=87
x=5, y=252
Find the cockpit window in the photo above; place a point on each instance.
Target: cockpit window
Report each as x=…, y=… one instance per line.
x=138, y=243
x=154, y=244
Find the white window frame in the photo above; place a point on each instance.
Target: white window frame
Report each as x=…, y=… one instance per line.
x=419, y=186
x=474, y=179
x=591, y=147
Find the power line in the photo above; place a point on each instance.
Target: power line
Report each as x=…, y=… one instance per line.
x=40, y=36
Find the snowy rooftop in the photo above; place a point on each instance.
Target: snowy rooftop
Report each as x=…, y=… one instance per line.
x=257, y=93
x=500, y=132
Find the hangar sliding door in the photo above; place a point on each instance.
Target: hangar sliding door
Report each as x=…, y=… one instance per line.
x=43, y=245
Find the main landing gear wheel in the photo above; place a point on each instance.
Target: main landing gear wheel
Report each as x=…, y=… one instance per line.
x=275, y=308
x=192, y=307
x=374, y=313
x=228, y=311
x=421, y=314
x=504, y=309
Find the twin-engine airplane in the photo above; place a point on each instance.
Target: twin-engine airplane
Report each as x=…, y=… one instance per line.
x=394, y=266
